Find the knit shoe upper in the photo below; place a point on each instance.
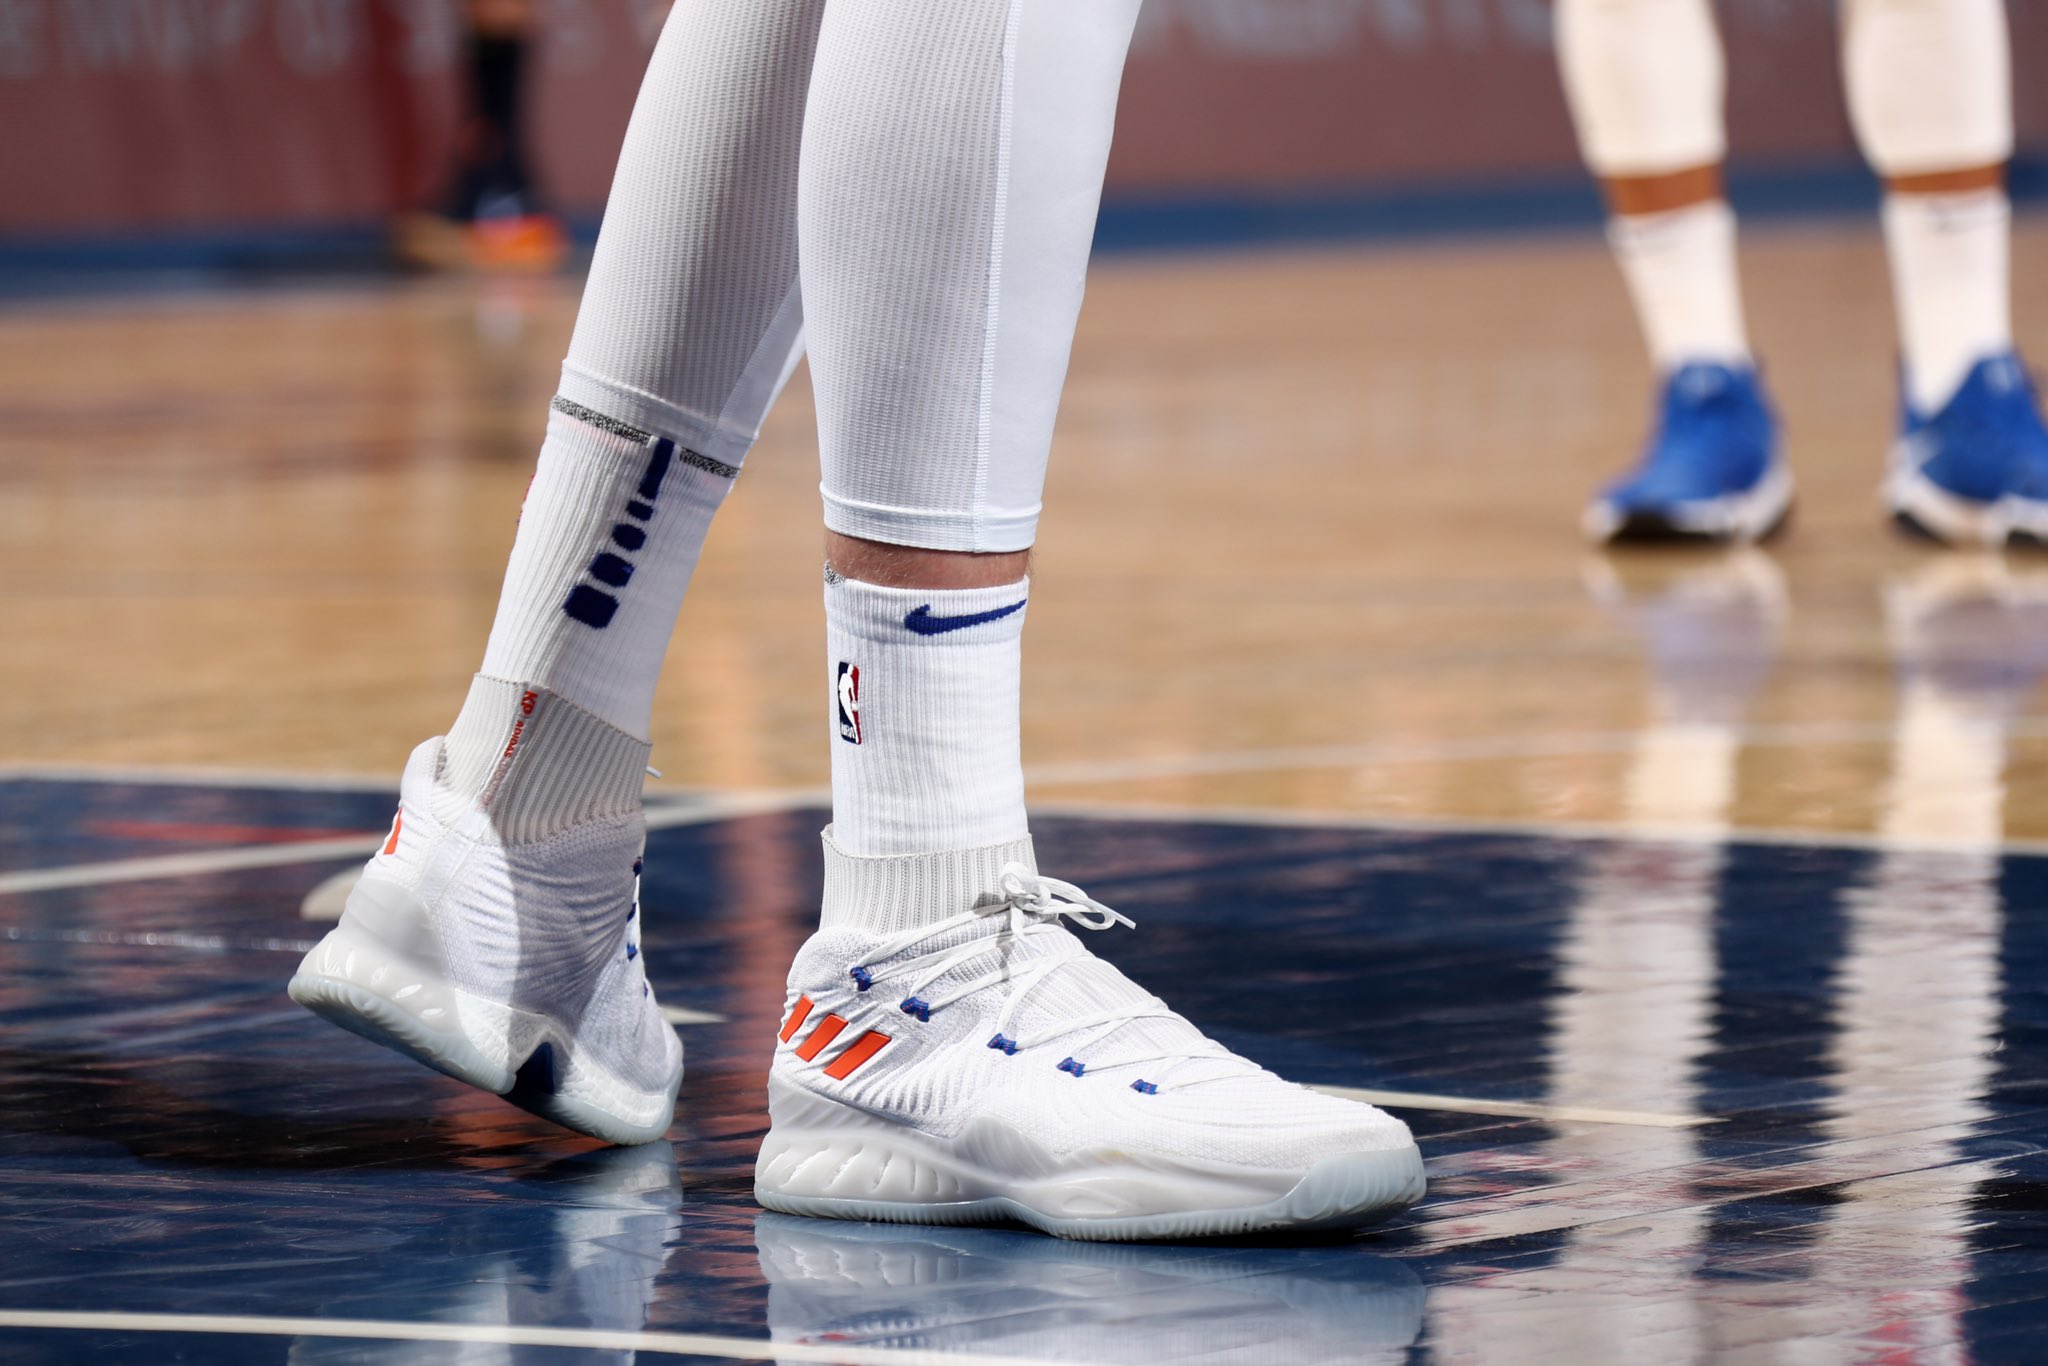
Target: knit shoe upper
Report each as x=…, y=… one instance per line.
x=1710, y=469
x=495, y=936
x=1977, y=470
x=993, y=1048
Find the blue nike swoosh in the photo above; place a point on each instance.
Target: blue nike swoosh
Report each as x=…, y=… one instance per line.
x=923, y=623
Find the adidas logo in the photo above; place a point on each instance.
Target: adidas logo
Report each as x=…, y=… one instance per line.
x=849, y=1059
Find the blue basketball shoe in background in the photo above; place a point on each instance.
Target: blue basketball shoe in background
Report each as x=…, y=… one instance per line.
x=1711, y=471
x=1975, y=473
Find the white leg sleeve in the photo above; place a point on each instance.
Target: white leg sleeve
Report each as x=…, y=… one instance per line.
x=691, y=320
x=1644, y=79
x=1930, y=83
x=952, y=164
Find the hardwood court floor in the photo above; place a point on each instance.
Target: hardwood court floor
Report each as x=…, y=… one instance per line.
x=1309, y=545
x=1691, y=908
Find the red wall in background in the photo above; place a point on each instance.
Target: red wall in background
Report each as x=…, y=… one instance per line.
x=134, y=115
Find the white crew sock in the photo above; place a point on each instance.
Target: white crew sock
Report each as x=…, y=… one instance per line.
x=923, y=718
x=1681, y=273
x=608, y=537
x=1951, y=280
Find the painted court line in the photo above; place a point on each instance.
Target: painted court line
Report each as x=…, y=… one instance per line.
x=509, y=1335
x=1514, y=1109
x=186, y=865
x=1576, y=831
x=683, y=1015
x=203, y=861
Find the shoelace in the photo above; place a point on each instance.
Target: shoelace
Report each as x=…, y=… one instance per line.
x=1031, y=905
x=632, y=938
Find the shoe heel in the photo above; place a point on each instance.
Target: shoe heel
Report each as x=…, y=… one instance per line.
x=378, y=974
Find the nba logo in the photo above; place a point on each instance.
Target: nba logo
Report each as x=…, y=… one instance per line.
x=849, y=703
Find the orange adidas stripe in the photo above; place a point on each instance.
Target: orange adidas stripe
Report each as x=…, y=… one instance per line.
x=797, y=1015
x=827, y=1030
x=397, y=823
x=865, y=1047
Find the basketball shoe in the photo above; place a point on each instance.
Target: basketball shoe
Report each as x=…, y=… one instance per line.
x=962, y=1066
x=1975, y=473
x=495, y=937
x=1711, y=471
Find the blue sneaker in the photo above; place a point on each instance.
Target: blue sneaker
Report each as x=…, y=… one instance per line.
x=1975, y=473
x=1711, y=471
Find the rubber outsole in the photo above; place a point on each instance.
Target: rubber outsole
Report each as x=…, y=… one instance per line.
x=1746, y=518
x=1346, y=1191
x=1927, y=511
x=534, y=1085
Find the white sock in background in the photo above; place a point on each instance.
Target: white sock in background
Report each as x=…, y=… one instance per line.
x=1951, y=279
x=924, y=721
x=1681, y=273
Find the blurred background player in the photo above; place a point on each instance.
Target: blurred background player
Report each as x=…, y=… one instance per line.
x=492, y=215
x=1929, y=87
x=950, y=1049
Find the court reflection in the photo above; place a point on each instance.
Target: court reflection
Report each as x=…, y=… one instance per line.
x=1845, y=1159
x=591, y=1259
x=1022, y=1295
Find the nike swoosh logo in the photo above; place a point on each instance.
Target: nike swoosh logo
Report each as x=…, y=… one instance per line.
x=923, y=623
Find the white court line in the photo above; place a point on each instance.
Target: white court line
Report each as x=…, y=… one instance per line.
x=659, y=817
x=1514, y=1109
x=683, y=1015
x=187, y=865
x=1563, y=744
x=1636, y=832
x=510, y=1335
x=685, y=806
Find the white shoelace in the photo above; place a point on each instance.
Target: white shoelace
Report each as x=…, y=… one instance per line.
x=1031, y=905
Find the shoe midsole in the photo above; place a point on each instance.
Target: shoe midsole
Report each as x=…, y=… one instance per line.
x=820, y=1149
x=476, y=1040
x=1947, y=515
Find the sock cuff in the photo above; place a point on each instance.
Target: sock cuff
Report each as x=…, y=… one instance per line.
x=535, y=762
x=939, y=616
x=1951, y=209
x=564, y=406
x=1648, y=231
x=892, y=893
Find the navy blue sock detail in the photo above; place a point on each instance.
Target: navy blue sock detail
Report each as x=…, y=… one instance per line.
x=610, y=569
x=628, y=537
x=638, y=509
x=535, y=1079
x=591, y=607
x=657, y=468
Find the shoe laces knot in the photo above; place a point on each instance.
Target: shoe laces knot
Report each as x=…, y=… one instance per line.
x=1026, y=894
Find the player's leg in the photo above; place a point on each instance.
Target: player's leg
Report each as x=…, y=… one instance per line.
x=492, y=214
x=1644, y=81
x=1930, y=95
x=950, y=1051
x=496, y=935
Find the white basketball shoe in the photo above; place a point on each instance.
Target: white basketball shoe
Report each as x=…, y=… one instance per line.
x=495, y=937
x=960, y=1066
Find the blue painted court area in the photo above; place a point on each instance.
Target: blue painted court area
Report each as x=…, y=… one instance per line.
x=1679, y=1100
